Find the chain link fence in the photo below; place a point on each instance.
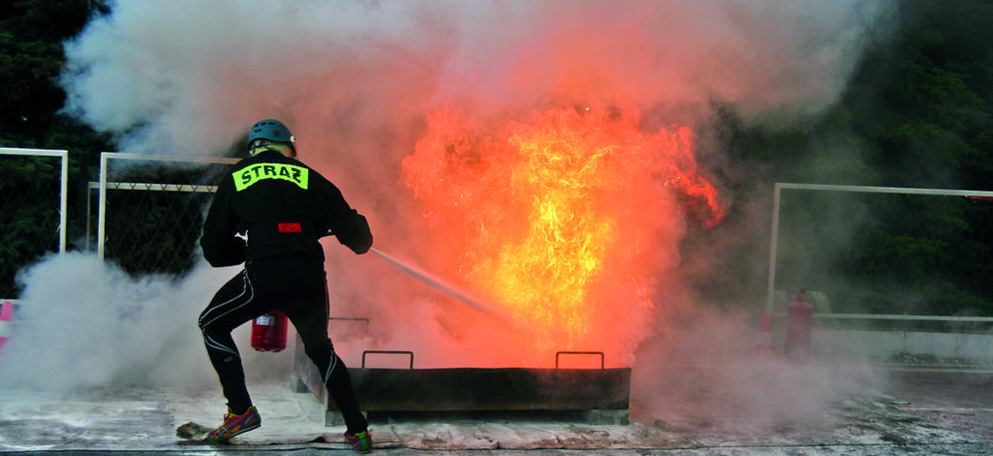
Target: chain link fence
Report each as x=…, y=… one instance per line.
x=150, y=210
x=887, y=258
x=33, y=186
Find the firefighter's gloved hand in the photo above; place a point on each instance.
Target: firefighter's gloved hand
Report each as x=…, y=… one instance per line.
x=355, y=235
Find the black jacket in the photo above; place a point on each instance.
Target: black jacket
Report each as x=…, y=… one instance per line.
x=282, y=206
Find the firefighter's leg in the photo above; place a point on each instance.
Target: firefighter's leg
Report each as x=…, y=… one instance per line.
x=310, y=321
x=231, y=306
x=338, y=382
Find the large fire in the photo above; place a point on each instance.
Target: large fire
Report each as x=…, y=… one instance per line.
x=565, y=217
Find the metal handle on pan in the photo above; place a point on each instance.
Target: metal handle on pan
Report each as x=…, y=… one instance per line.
x=389, y=352
x=579, y=353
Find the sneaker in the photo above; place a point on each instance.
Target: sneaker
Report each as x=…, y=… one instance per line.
x=235, y=424
x=361, y=441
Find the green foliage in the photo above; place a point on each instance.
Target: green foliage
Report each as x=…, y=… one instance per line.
x=30, y=186
x=31, y=59
x=923, y=103
x=936, y=132
x=917, y=113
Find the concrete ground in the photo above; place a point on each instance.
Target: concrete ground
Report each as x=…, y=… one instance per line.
x=959, y=399
x=923, y=411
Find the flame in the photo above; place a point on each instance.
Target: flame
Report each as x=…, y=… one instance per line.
x=557, y=216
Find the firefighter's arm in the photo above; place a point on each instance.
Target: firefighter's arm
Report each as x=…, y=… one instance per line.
x=353, y=231
x=350, y=227
x=219, y=244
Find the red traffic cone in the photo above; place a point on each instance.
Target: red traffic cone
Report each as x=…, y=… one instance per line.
x=765, y=347
x=6, y=317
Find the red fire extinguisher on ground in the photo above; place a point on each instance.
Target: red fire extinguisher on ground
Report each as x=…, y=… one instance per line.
x=799, y=325
x=269, y=332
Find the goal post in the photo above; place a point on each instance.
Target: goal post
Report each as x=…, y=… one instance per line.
x=188, y=192
x=63, y=156
x=34, y=209
x=778, y=189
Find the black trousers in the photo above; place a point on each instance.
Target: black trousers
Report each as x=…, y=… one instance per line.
x=297, y=286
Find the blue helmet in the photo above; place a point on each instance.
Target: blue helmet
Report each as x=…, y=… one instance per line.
x=272, y=130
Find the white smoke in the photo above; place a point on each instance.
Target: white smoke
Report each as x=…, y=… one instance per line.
x=353, y=80
x=186, y=77
x=84, y=322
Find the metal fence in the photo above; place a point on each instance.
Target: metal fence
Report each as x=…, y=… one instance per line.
x=145, y=213
x=150, y=210
x=33, y=184
x=811, y=223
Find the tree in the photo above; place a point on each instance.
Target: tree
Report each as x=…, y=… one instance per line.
x=919, y=113
x=31, y=59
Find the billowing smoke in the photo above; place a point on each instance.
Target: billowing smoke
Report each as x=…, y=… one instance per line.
x=85, y=323
x=354, y=81
x=184, y=78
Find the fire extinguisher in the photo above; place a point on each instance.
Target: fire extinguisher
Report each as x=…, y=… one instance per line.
x=269, y=332
x=799, y=325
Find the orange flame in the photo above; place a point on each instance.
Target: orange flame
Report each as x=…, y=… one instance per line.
x=558, y=217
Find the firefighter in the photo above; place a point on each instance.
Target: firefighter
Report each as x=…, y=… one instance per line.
x=269, y=213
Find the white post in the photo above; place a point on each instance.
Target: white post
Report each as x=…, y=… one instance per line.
x=102, y=215
x=64, y=202
x=773, y=246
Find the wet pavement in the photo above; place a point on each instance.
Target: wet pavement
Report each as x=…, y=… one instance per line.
x=960, y=399
x=921, y=411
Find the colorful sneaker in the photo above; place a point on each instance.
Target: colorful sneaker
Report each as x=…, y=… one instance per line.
x=361, y=441
x=235, y=424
